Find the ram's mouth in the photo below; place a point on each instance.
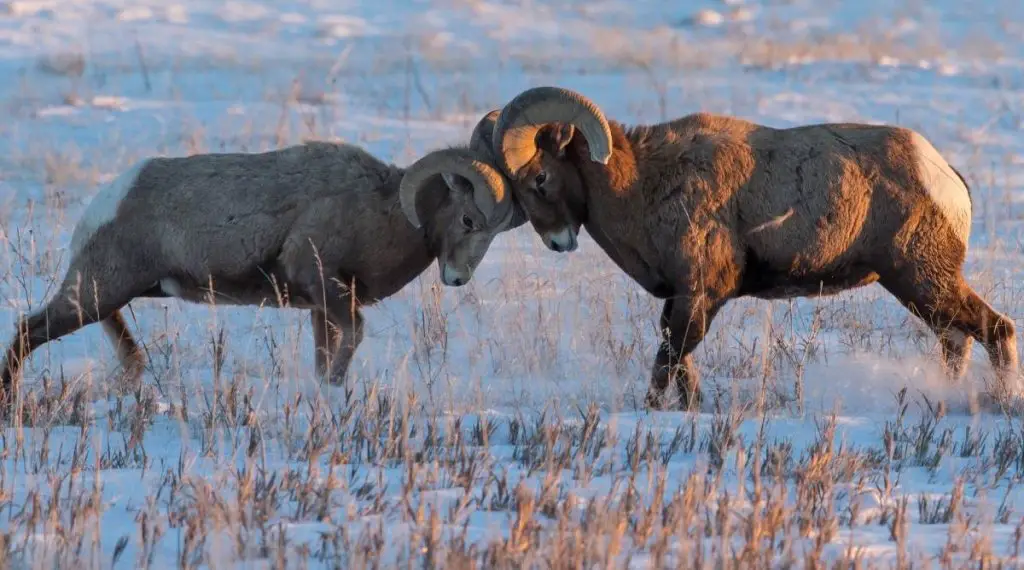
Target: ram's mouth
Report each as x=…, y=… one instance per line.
x=563, y=240
x=452, y=277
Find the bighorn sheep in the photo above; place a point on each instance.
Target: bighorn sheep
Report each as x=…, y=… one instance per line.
x=706, y=208
x=319, y=226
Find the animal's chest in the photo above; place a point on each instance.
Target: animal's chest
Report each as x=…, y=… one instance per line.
x=628, y=248
x=376, y=277
x=374, y=288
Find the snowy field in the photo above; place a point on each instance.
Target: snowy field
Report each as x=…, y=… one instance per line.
x=500, y=424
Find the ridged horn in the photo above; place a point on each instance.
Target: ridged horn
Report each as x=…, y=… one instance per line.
x=515, y=131
x=482, y=139
x=489, y=187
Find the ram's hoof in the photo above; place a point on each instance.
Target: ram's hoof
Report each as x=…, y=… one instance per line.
x=654, y=401
x=337, y=380
x=662, y=402
x=686, y=402
x=1001, y=402
x=690, y=400
x=6, y=407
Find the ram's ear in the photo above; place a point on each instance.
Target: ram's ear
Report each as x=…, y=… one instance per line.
x=457, y=184
x=555, y=138
x=432, y=199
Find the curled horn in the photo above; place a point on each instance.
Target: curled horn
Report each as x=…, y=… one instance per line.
x=483, y=134
x=482, y=141
x=515, y=131
x=489, y=187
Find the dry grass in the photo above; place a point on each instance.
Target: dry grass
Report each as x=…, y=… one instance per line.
x=778, y=508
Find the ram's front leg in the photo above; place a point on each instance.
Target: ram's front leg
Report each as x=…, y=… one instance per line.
x=325, y=341
x=338, y=325
x=683, y=325
x=335, y=309
x=348, y=322
x=703, y=277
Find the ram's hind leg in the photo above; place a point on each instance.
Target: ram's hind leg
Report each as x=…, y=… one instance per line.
x=996, y=332
x=88, y=294
x=957, y=315
x=61, y=317
x=956, y=350
x=128, y=351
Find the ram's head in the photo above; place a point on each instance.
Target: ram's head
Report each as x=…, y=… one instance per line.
x=462, y=201
x=531, y=143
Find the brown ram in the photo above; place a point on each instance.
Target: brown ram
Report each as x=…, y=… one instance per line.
x=706, y=208
x=320, y=226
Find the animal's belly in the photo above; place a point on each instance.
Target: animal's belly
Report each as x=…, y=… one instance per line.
x=227, y=293
x=783, y=286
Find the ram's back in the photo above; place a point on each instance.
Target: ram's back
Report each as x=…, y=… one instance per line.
x=225, y=214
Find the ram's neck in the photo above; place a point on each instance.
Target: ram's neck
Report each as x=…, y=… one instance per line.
x=396, y=253
x=616, y=207
x=607, y=188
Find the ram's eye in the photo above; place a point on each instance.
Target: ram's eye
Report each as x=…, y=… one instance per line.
x=467, y=221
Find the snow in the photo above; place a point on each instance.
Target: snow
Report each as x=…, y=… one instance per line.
x=254, y=463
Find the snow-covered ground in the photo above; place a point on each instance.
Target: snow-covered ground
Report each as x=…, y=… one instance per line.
x=501, y=422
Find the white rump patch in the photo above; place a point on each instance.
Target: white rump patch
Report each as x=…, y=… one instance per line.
x=103, y=207
x=944, y=187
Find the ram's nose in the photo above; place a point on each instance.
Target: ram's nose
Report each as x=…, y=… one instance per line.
x=454, y=278
x=562, y=241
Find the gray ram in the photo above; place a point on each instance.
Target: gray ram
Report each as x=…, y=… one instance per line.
x=319, y=226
